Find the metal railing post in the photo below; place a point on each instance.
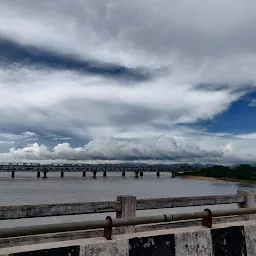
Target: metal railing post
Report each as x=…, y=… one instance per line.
x=249, y=202
x=128, y=210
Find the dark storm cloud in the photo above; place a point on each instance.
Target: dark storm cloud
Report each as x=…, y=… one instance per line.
x=30, y=56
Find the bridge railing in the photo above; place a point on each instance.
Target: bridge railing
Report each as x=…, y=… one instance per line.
x=47, y=210
x=124, y=207
x=89, y=167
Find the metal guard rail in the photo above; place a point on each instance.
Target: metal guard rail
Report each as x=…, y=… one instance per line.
x=109, y=223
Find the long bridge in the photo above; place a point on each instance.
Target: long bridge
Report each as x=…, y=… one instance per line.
x=138, y=170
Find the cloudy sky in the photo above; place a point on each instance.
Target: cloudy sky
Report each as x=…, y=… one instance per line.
x=156, y=80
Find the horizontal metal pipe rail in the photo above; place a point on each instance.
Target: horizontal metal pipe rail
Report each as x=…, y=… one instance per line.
x=109, y=223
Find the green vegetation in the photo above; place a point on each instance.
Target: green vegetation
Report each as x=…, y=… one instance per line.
x=241, y=172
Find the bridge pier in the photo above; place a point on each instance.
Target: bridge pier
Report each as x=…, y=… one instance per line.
x=62, y=174
x=104, y=174
x=173, y=174
x=123, y=174
x=94, y=174
x=136, y=174
x=141, y=174
x=13, y=174
x=157, y=174
x=38, y=175
x=84, y=174
x=45, y=175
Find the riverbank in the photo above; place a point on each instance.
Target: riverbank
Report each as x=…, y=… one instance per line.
x=190, y=177
x=240, y=181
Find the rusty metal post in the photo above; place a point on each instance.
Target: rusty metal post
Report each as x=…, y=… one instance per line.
x=207, y=221
x=108, y=230
x=128, y=210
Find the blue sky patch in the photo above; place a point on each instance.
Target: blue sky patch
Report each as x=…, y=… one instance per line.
x=240, y=117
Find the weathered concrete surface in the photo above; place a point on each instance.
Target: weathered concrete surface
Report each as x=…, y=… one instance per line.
x=45, y=210
x=250, y=239
x=112, y=248
x=230, y=239
x=173, y=202
x=193, y=243
x=249, y=202
x=128, y=210
x=152, y=245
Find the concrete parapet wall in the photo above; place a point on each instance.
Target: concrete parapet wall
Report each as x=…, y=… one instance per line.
x=234, y=239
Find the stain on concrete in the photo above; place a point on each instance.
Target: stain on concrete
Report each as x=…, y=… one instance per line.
x=109, y=248
x=229, y=241
x=194, y=243
x=152, y=246
x=64, y=251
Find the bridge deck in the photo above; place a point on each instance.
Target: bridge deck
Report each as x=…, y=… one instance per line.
x=94, y=168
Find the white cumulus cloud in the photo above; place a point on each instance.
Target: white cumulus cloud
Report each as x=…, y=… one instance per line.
x=200, y=56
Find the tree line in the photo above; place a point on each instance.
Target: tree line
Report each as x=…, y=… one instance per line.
x=241, y=172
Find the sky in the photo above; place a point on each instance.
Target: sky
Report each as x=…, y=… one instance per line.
x=115, y=80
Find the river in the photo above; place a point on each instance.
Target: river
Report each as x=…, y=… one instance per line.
x=26, y=189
